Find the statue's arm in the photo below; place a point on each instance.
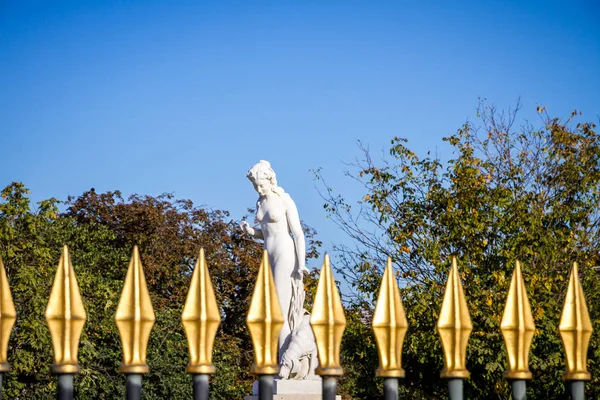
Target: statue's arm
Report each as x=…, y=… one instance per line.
x=297, y=233
x=258, y=234
x=254, y=232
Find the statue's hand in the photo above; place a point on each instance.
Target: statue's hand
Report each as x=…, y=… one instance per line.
x=245, y=226
x=303, y=270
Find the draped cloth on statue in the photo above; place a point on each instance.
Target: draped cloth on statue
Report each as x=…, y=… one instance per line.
x=296, y=312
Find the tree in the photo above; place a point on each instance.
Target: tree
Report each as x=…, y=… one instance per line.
x=508, y=193
x=101, y=230
x=170, y=233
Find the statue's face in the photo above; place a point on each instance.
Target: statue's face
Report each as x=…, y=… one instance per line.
x=262, y=186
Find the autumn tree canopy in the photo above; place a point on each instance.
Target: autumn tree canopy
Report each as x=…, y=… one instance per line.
x=509, y=191
x=101, y=230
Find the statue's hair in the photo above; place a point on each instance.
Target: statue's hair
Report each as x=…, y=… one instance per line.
x=263, y=170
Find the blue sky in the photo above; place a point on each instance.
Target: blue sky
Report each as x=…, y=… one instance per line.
x=175, y=96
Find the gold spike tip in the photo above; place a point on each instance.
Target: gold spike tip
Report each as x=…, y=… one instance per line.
x=135, y=318
x=65, y=316
x=575, y=330
x=264, y=321
x=454, y=326
x=328, y=323
x=8, y=316
x=517, y=327
x=390, y=326
x=201, y=319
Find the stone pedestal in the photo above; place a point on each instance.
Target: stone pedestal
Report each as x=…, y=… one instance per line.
x=289, y=389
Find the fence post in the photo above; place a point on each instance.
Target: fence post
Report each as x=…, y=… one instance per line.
x=517, y=328
x=65, y=316
x=134, y=318
x=8, y=316
x=390, y=326
x=328, y=323
x=200, y=319
x=264, y=321
x=575, y=331
x=454, y=327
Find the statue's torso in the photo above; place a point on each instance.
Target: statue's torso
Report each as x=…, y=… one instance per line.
x=271, y=215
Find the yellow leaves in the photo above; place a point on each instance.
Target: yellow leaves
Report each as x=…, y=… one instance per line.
x=539, y=312
x=405, y=249
x=367, y=198
x=500, y=278
x=534, y=279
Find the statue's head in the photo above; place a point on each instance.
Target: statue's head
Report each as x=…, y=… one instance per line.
x=263, y=178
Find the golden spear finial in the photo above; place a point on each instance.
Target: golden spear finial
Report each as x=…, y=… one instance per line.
x=517, y=327
x=8, y=316
x=390, y=326
x=135, y=318
x=201, y=319
x=454, y=327
x=575, y=330
x=328, y=323
x=65, y=316
x=265, y=321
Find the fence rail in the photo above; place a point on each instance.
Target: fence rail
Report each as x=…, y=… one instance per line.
x=65, y=316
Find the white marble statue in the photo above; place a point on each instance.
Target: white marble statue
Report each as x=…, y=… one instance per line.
x=278, y=224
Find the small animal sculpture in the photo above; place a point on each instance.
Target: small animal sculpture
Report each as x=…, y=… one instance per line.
x=299, y=360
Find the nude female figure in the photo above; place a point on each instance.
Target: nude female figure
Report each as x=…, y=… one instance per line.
x=279, y=226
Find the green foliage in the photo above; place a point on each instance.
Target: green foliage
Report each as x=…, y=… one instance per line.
x=100, y=230
x=359, y=353
x=506, y=194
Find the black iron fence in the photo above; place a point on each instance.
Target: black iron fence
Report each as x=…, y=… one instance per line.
x=135, y=318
